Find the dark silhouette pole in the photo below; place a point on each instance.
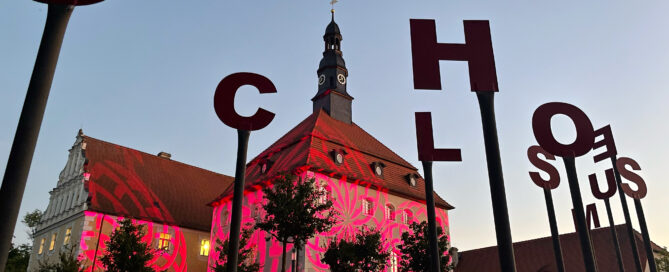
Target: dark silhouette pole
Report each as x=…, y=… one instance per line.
x=478, y=52
x=224, y=104
x=236, y=215
x=497, y=190
x=646, y=236
x=582, y=228
x=431, y=217
x=557, y=249
x=628, y=218
x=27, y=131
x=614, y=235
x=427, y=154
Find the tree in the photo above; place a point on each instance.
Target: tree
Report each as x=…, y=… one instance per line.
x=662, y=261
x=18, y=258
x=365, y=253
x=415, y=249
x=246, y=262
x=125, y=250
x=32, y=219
x=68, y=262
x=294, y=211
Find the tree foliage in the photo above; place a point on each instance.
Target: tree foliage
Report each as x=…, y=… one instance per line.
x=415, y=249
x=365, y=253
x=126, y=251
x=32, y=220
x=246, y=259
x=67, y=262
x=293, y=211
x=18, y=258
x=662, y=260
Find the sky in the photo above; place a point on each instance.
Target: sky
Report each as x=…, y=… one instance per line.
x=143, y=73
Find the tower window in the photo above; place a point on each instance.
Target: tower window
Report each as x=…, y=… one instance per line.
x=41, y=246
x=68, y=234
x=164, y=240
x=367, y=207
x=204, y=247
x=52, y=245
x=390, y=212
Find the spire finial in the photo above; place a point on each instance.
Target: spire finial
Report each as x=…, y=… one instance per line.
x=332, y=2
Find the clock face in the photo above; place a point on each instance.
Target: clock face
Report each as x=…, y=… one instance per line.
x=341, y=78
x=321, y=79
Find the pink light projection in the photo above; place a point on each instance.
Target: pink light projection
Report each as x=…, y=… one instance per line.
x=347, y=199
x=173, y=259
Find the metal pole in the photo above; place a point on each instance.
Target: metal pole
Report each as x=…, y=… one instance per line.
x=581, y=226
x=614, y=235
x=557, y=249
x=499, y=208
x=646, y=236
x=236, y=217
x=626, y=212
x=431, y=218
x=27, y=131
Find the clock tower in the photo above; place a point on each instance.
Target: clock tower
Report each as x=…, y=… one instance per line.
x=332, y=74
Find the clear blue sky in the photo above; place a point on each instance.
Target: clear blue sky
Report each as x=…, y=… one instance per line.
x=143, y=73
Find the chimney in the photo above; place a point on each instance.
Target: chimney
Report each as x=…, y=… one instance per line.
x=165, y=155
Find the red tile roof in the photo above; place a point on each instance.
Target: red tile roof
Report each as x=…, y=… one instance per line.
x=537, y=255
x=127, y=182
x=309, y=146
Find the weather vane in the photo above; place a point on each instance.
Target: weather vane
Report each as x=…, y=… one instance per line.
x=332, y=4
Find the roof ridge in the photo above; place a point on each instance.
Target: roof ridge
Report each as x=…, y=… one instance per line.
x=169, y=160
x=405, y=163
x=269, y=150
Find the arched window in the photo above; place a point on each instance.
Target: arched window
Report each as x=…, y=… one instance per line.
x=367, y=207
x=407, y=216
x=390, y=212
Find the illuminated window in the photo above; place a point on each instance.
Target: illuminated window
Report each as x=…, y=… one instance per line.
x=204, y=247
x=41, y=245
x=390, y=212
x=367, y=207
x=393, y=261
x=164, y=241
x=53, y=241
x=406, y=216
x=68, y=234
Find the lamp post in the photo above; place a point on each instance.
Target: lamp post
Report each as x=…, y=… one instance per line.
x=30, y=121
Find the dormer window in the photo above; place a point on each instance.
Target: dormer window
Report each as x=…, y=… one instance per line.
x=412, y=179
x=377, y=168
x=338, y=156
x=265, y=166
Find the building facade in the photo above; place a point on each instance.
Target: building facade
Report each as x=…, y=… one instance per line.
x=369, y=184
x=102, y=183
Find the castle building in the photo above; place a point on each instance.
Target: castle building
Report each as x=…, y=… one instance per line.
x=103, y=183
x=369, y=184
x=186, y=209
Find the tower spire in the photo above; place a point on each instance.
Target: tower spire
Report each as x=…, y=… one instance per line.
x=332, y=96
